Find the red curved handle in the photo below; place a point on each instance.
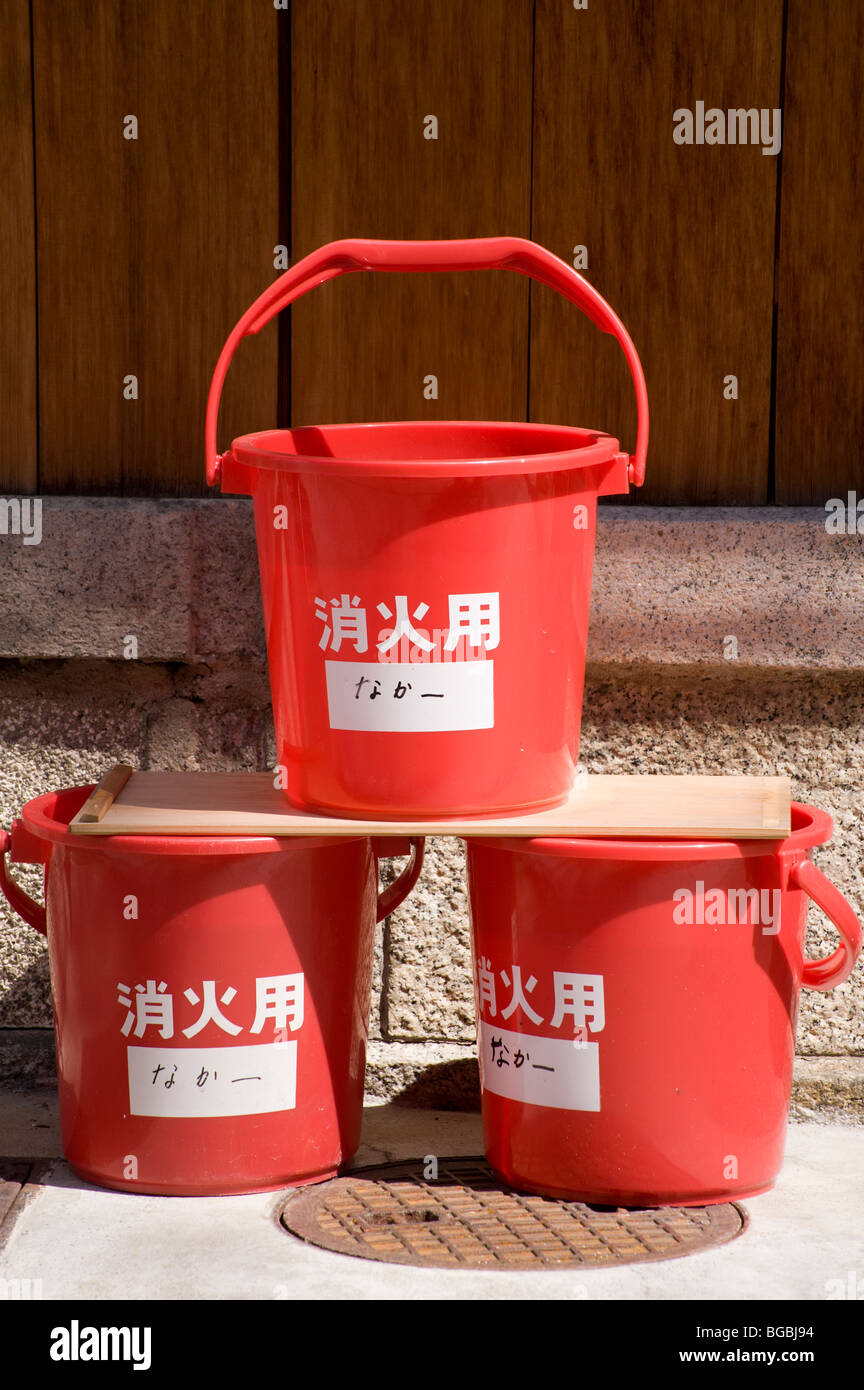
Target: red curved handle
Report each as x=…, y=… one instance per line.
x=397, y=892
x=834, y=969
x=33, y=914
x=478, y=253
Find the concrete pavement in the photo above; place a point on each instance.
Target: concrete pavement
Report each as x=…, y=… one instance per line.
x=805, y=1239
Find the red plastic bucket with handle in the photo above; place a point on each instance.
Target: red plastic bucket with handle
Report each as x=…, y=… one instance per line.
x=636, y=1005
x=211, y=998
x=426, y=584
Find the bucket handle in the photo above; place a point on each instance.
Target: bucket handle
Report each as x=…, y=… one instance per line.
x=475, y=253
x=398, y=891
x=834, y=969
x=32, y=912
x=35, y=916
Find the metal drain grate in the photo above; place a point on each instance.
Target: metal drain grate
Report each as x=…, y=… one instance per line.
x=465, y=1219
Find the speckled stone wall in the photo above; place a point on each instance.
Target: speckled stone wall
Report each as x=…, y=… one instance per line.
x=665, y=692
x=649, y=719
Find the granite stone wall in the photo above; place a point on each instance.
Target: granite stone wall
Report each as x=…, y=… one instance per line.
x=721, y=641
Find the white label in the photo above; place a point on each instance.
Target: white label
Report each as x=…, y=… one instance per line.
x=410, y=698
x=194, y=1082
x=561, y=1073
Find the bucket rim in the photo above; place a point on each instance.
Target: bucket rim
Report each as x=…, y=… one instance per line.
x=558, y=448
x=814, y=827
x=40, y=824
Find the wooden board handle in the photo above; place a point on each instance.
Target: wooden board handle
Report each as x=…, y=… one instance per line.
x=104, y=795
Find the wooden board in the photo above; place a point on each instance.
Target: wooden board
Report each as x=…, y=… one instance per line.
x=820, y=275
x=225, y=803
x=365, y=76
x=151, y=248
x=680, y=238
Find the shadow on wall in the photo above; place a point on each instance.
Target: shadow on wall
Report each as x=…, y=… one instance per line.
x=25, y=986
x=26, y=1022
x=451, y=1085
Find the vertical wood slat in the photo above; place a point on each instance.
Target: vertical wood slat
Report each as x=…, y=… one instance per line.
x=365, y=77
x=820, y=328
x=680, y=238
x=150, y=249
x=17, y=255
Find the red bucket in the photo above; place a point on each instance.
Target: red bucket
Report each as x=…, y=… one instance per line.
x=426, y=584
x=211, y=998
x=636, y=1005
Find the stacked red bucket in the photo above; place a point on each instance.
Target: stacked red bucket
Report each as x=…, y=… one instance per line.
x=631, y=1059
x=636, y=1005
x=426, y=589
x=211, y=997
x=426, y=585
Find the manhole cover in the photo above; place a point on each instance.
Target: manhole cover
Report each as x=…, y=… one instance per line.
x=465, y=1219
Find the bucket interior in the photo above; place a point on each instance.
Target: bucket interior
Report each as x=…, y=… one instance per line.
x=62, y=806
x=809, y=826
x=465, y=443
x=47, y=818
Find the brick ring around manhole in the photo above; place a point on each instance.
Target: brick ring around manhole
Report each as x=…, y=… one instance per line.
x=466, y=1219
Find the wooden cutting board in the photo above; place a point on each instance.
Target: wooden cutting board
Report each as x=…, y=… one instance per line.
x=232, y=803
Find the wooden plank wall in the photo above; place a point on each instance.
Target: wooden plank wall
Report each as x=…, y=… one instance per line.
x=150, y=248
x=820, y=338
x=679, y=238
x=260, y=127
x=367, y=75
x=17, y=256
